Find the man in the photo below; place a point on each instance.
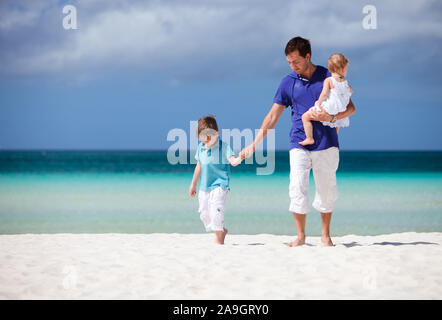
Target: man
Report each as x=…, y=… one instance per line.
x=300, y=90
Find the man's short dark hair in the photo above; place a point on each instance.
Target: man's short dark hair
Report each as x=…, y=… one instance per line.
x=300, y=44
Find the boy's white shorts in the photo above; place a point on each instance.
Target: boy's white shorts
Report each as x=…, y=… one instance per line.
x=211, y=208
x=324, y=164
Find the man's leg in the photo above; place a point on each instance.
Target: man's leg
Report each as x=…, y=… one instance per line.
x=300, y=227
x=326, y=218
x=300, y=166
x=325, y=163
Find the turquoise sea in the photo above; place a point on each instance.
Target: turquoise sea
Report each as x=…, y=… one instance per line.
x=140, y=192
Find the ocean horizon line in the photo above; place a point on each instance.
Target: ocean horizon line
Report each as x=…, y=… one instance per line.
x=165, y=150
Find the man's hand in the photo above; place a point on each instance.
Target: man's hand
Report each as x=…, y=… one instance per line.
x=321, y=116
x=247, y=151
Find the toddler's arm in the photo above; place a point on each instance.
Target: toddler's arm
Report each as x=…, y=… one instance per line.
x=324, y=93
x=196, y=177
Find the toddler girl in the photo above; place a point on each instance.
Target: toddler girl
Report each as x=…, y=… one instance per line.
x=334, y=97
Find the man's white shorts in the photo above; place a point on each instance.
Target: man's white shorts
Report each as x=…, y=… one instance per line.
x=211, y=208
x=324, y=164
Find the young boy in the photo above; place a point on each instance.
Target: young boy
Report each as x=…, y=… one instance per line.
x=214, y=159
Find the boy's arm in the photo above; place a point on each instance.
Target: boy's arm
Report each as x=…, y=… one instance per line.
x=196, y=177
x=324, y=93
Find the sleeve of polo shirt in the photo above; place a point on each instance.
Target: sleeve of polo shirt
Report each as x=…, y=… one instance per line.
x=229, y=151
x=282, y=97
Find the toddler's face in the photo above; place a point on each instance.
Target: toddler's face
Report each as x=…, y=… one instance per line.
x=344, y=71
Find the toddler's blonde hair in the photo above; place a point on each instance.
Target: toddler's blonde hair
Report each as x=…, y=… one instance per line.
x=337, y=62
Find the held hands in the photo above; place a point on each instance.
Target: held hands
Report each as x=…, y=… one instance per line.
x=235, y=161
x=247, y=152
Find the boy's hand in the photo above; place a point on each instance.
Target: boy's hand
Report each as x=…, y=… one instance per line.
x=236, y=161
x=192, y=190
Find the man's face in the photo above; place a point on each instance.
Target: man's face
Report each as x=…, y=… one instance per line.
x=298, y=63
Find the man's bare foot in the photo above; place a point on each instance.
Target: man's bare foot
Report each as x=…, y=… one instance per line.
x=327, y=241
x=296, y=243
x=220, y=236
x=307, y=141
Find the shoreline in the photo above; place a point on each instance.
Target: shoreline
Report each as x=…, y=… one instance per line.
x=191, y=266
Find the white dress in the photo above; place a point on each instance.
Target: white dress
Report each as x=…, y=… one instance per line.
x=337, y=101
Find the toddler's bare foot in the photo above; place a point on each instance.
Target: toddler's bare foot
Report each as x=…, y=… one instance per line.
x=327, y=242
x=307, y=141
x=296, y=243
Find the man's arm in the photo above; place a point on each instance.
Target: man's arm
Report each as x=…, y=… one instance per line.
x=269, y=122
x=324, y=116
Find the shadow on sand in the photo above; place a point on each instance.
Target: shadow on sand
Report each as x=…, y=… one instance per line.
x=387, y=243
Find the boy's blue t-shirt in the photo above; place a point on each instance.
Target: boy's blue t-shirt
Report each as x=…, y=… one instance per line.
x=215, y=165
x=301, y=94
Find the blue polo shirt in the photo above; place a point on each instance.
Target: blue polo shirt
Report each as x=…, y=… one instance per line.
x=215, y=165
x=301, y=94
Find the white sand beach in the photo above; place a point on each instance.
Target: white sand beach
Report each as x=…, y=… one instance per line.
x=191, y=266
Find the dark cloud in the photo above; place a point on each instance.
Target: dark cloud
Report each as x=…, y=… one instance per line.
x=201, y=39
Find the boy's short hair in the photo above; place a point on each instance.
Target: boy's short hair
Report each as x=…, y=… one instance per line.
x=300, y=44
x=337, y=62
x=207, y=122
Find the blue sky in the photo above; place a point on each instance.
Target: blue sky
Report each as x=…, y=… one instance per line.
x=133, y=70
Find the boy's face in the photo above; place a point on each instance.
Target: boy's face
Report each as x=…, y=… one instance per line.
x=209, y=138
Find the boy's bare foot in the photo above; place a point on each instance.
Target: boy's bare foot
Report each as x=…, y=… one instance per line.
x=296, y=243
x=224, y=234
x=307, y=141
x=220, y=236
x=327, y=242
